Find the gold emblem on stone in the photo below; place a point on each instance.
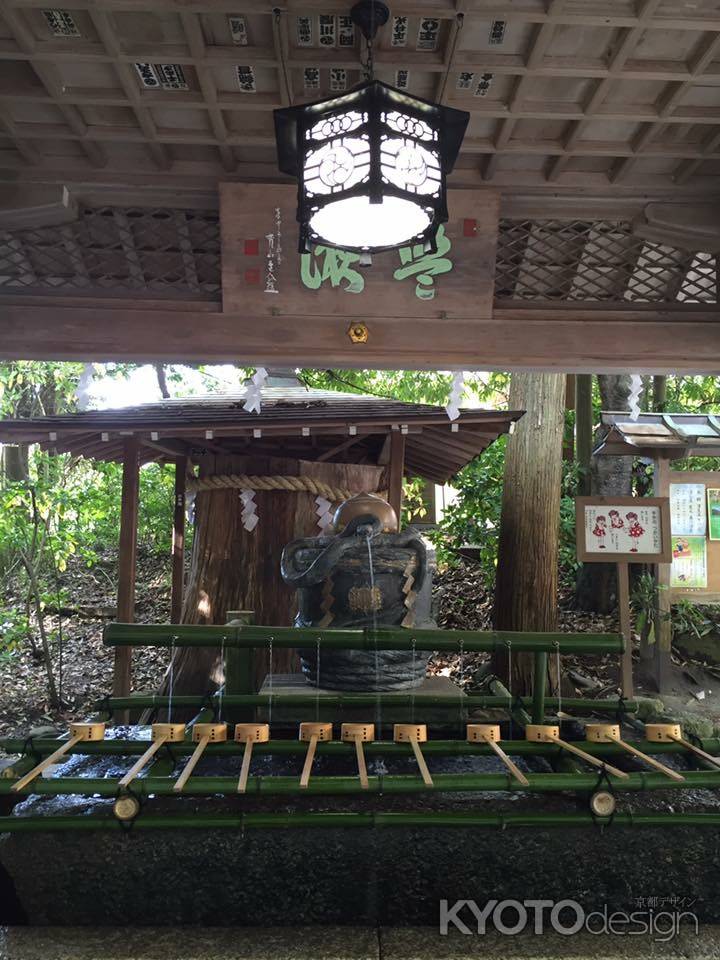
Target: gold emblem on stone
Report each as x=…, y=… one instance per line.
x=365, y=599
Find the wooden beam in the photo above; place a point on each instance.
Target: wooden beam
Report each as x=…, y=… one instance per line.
x=582, y=339
x=396, y=472
x=178, y=542
x=127, y=561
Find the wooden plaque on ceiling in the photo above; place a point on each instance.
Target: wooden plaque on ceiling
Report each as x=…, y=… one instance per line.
x=263, y=273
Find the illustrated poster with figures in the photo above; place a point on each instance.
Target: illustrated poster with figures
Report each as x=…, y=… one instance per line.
x=615, y=529
x=626, y=528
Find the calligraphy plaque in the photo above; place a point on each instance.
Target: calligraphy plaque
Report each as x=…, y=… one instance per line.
x=263, y=273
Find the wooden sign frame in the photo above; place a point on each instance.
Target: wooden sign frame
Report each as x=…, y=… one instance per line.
x=587, y=556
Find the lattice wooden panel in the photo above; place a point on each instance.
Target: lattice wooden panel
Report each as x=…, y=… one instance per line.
x=117, y=252
x=599, y=260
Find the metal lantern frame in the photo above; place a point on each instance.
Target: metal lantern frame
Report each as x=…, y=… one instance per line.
x=374, y=101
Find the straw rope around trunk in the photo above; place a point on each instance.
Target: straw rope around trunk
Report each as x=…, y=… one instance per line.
x=241, y=481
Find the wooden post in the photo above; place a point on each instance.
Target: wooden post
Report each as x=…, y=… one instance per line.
x=396, y=472
x=583, y=429
x=663, y=627
x=127, y=560
x=623, y=579
x=178, y=542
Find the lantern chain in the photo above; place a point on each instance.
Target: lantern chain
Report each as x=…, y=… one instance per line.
x=369, y=64
x=277, y=12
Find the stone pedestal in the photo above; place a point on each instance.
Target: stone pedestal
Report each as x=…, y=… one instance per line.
x=421, y=709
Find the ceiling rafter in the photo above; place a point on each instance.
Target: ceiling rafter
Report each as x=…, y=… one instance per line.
x=46, y=75
x=707, y=48
x=209, y=126
x=629, y=40
x=159, y=153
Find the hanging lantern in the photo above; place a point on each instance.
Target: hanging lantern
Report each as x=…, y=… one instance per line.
x=371, y=164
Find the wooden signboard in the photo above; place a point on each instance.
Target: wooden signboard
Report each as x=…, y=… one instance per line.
x=695, y=526
x=264, y=274
x=623, y=530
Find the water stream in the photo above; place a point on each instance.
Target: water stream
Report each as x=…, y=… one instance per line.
x=270, y=680
x=378, y=701
x=222, y=685
x=171, y=680
x=461, y=710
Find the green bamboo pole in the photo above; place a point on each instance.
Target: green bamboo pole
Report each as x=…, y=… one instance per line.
x=540, y=821
x=379, y=748
x=451, y=701
x=335, y=786
x=193, y=635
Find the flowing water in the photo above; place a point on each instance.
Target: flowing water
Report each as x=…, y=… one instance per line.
x=270, y=680
x=412, y=689
x=461, y=710
x=378, y=701
x=222, y=686
x=171, y=680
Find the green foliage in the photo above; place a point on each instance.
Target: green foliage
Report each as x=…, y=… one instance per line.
x=643, y=602
x=474, y=517
x=414, y=503
x=692, y=619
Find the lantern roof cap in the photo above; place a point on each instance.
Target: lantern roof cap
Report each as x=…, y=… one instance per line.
x=452, y=122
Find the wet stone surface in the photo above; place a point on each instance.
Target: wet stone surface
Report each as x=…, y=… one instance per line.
x=331, y=875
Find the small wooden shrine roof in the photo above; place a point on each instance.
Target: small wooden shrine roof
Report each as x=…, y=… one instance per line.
x=669, y=435
x=294, y=422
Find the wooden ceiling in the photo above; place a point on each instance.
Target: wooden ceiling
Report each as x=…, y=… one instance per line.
x=606, y=97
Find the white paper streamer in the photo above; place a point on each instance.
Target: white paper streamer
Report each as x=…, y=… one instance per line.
x=82, y=393
x=190, y=506
x=636, y=386
x=324, y=514
x=253, y=394
x=249, y=515
x=452, y=407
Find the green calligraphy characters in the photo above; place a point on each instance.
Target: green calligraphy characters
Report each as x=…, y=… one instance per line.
x=337, y=267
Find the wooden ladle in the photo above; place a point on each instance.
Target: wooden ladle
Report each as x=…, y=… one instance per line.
x=490, y=733
x=549, y=733
x=79, y=732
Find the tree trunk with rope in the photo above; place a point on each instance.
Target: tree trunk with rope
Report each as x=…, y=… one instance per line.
x=527, y=571
x=233, y=568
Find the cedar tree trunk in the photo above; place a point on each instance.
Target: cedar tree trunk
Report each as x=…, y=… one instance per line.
x=527, y=573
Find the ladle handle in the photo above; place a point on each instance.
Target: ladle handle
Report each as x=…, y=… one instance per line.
x=595, y=761
x=362, y=768
x=651, y=761
x=309, y=757
x=514, y=770
x=139, y=764
x=715, y=761
x=427, y=779
x=191, y=764
x=44, y=764
x=245, y=769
